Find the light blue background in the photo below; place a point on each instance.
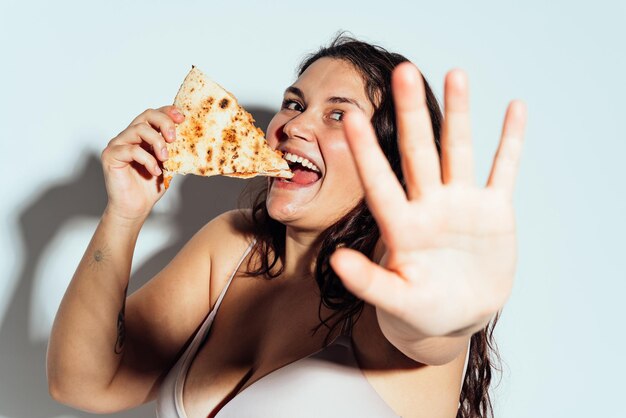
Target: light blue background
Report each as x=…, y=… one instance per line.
x=73, y=74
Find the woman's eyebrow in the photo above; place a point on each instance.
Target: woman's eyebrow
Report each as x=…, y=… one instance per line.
x=338, y=99
x=296, y=91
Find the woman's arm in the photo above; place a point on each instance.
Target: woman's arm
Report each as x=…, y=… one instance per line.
x=108, y=353
x=450, y=255
x=89, y=331
x=88, y=335
x=434, y=351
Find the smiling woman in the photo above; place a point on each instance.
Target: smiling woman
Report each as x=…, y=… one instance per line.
x=363, y=73
x=309, y=126
x=381, y=236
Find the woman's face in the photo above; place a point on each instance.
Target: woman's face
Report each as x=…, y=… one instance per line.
x=309, y=125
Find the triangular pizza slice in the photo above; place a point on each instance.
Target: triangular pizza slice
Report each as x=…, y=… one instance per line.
x=218, y=136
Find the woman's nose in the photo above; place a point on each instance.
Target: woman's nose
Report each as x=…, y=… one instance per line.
x=300, y=126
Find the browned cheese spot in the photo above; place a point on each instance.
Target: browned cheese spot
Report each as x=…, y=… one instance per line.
x=208, y=155
x=235, y=156
x=206, y=105
x=197, y=128
x=238, y=117
x=202, y=170
x=229, y=135
x=224, y=103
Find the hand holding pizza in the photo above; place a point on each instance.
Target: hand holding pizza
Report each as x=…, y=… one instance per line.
x=131, y=162
x=450, y=246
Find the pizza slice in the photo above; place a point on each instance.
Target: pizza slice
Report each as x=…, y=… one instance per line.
x=218, y=136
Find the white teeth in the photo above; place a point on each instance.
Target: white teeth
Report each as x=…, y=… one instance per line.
x=301, y=160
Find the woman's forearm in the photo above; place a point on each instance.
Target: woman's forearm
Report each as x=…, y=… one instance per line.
x=87, y=339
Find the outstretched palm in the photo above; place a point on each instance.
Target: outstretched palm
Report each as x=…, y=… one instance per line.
x=450, y=246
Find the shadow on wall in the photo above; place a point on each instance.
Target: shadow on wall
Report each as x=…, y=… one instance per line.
x=23, y=386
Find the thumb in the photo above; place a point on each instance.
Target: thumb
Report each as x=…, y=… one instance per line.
x=369, y=281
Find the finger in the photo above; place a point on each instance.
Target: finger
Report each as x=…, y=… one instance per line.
x=457, y=160
x=120, y=156
x=506, y=161
x=162, y=119
x=420, y=161
x=142, y=133
x=383, y=191
x=173, y=112
x=369, y=281
x=147, y=134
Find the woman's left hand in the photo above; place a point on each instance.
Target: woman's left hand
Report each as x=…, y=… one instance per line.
x=450, y=246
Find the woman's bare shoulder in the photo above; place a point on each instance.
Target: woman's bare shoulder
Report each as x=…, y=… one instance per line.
x=227, y=233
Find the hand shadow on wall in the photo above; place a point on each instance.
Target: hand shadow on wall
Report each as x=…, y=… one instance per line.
x=23, y=386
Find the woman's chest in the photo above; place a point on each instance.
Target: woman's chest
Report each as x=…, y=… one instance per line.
x=262, y=327
x=259, y=328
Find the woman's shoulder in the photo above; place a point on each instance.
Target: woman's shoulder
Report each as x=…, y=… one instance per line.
x=227, y=233
x=220, y=240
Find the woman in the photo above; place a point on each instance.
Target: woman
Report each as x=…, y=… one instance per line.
x=391, y=245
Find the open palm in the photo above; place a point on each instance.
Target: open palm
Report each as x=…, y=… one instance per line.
x=450, y=246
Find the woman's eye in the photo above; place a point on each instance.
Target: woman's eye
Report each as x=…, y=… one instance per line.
x=292, y=105
x=336, y=115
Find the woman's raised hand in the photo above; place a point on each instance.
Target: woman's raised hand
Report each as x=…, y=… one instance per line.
x=131, y=163
x=450, y=245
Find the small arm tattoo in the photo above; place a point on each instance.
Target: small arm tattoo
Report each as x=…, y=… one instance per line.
x=99, y=258
x=121, y=326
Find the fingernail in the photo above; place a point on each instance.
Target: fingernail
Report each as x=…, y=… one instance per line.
x=157, y=170
x=164, y=152
x=175, y=112
x=171, y=134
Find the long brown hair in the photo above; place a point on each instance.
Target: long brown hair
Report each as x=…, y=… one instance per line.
x=358, y=229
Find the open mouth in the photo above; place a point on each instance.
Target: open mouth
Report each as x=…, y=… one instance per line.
x=304, y=171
